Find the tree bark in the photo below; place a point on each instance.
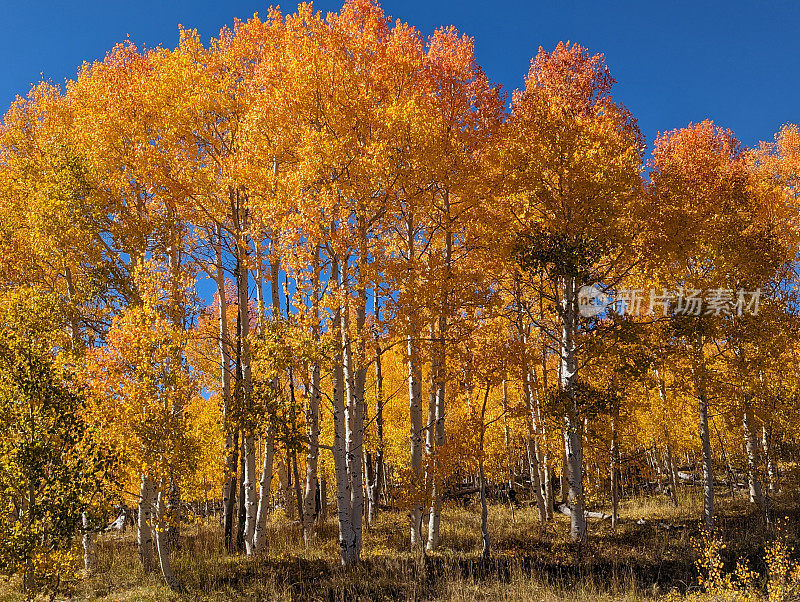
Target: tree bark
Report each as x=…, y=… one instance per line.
x=536, y=484
x=267, y=468
x=376, y=481
x=486, y=549
x=144, y=531
x=298, y=493
x=708, y=466
x=230, y=493
x=573, y=435
x=285, y=479
x=430, y=447
x=562, y=479
x=369, y=483
x=264, y=508
x=753, y=459
x=614, y=466
x=250, y=494
x=549, y=501
x=354, y=421
x=245, y=390
x=173, y=510
x=673, y=472
x=766, y=439
x=229, y=486
x=543, y=455
x=414, y=402
x=347, y=544
x=323, y=502
x=533, y=458
x=89, y=547
x=312, y=455
x=699, y=374
x=162, y=547
x=415, y=436
x=507, y=441
x=440, y=349
x=312, y=413
x=241, y=509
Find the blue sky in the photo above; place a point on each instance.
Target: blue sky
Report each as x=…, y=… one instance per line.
x=735, y=62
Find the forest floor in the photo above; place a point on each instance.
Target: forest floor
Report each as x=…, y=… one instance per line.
x=635, y=562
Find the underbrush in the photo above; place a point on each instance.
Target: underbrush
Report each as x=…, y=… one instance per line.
x=667, y=557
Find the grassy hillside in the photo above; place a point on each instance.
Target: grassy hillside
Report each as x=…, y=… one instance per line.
x=653, y=560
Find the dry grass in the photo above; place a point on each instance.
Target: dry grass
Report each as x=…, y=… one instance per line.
x=635, y=562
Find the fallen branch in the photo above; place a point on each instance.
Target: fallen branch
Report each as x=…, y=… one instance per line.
x=567, y=511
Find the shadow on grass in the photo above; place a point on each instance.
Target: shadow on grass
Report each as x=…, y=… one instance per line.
x=647, y=559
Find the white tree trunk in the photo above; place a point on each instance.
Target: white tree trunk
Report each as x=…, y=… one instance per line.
x=358, y=398
x=312, y=416
x=548, y=489
x=673, y=472
x=753, y=459
x=507, y=442
x=772, y=477
x=312, y=456
x=89, y=548
x=144, y=524
x=415, y=436
x=347, y=536
x=298, y=493
x=573, y=440
x=264, y=507
x=536, y=484
x=614, y=467
x=250, y=494
x=542, y=453
x=563, y=484
x=265, y=481
x=354, y=425
x=248, y=443
x=322, y=517
x=549, y=502
x=162, y=547
x=347, y=544
x=699, y=374
x=440, y=349
x=376, y=480
x=285, y=482
x=415, y=406
x=229, y=482
x=437, y=426
x=430, y=447
x=486, y=548
x=708, y=466
x=533, y=458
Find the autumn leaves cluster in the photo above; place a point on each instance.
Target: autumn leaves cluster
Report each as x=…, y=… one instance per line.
x=396, y=254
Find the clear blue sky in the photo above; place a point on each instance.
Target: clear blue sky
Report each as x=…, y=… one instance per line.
x=735, y=62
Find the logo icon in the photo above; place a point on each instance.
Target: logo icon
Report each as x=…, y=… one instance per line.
x=592, y=300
